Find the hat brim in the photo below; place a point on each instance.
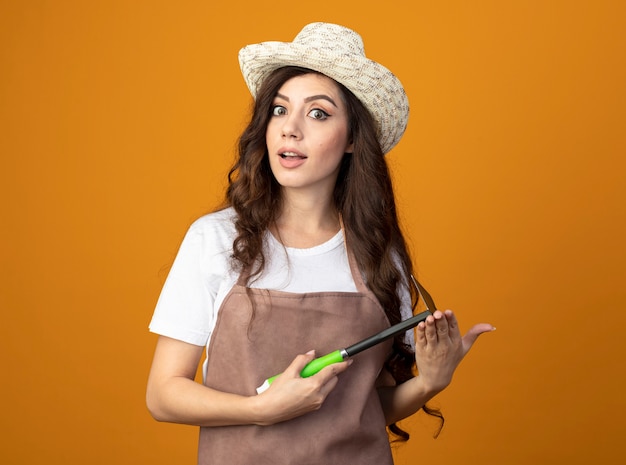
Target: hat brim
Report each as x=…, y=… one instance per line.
x=374, y=85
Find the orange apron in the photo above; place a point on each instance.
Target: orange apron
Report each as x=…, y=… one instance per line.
x=349, y=428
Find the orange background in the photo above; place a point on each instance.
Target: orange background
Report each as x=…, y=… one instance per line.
x=117, y=124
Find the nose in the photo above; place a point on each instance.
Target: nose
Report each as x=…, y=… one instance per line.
x=291, y=127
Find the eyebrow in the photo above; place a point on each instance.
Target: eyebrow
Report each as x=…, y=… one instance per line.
x=310, y=99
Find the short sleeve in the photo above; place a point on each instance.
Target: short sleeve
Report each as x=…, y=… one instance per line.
x=185, y=309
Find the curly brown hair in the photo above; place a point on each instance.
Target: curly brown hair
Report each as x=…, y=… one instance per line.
x=363, y=196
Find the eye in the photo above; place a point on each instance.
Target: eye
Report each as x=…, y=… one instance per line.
x=278, y=110
x=318, y=114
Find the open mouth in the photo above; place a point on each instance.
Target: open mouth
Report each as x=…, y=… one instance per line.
x=292, y=156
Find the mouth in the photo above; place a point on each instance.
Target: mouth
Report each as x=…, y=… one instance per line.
x=291, y=156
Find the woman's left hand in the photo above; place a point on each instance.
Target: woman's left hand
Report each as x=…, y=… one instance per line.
x=439, y=348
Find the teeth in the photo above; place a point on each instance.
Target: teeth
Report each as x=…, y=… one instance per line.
x=291, y=155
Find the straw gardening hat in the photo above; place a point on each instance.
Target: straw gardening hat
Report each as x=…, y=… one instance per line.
x=337, y=52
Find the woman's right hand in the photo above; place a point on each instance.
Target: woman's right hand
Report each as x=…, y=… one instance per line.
x=290, y=396
x=174, y=396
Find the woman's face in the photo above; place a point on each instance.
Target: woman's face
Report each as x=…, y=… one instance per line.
x=307, y=134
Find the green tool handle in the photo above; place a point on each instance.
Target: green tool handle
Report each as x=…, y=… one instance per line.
x=314, y=366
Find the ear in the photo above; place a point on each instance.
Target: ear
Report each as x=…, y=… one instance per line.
x=349, y=148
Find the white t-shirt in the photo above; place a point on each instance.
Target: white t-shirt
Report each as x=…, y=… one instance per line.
x=202, y=275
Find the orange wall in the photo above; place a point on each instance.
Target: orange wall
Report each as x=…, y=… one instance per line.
x=117, y=123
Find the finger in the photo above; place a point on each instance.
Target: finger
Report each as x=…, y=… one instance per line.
x=298, y=364
x=453, y=325
x=441, y=323
x=475, y=331
x=420, y=334
x=431, y=330
x=332, y=371
x=329, y=386
x=328, y=377
x=451, y=317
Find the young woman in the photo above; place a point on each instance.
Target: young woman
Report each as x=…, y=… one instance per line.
x=306, y=257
